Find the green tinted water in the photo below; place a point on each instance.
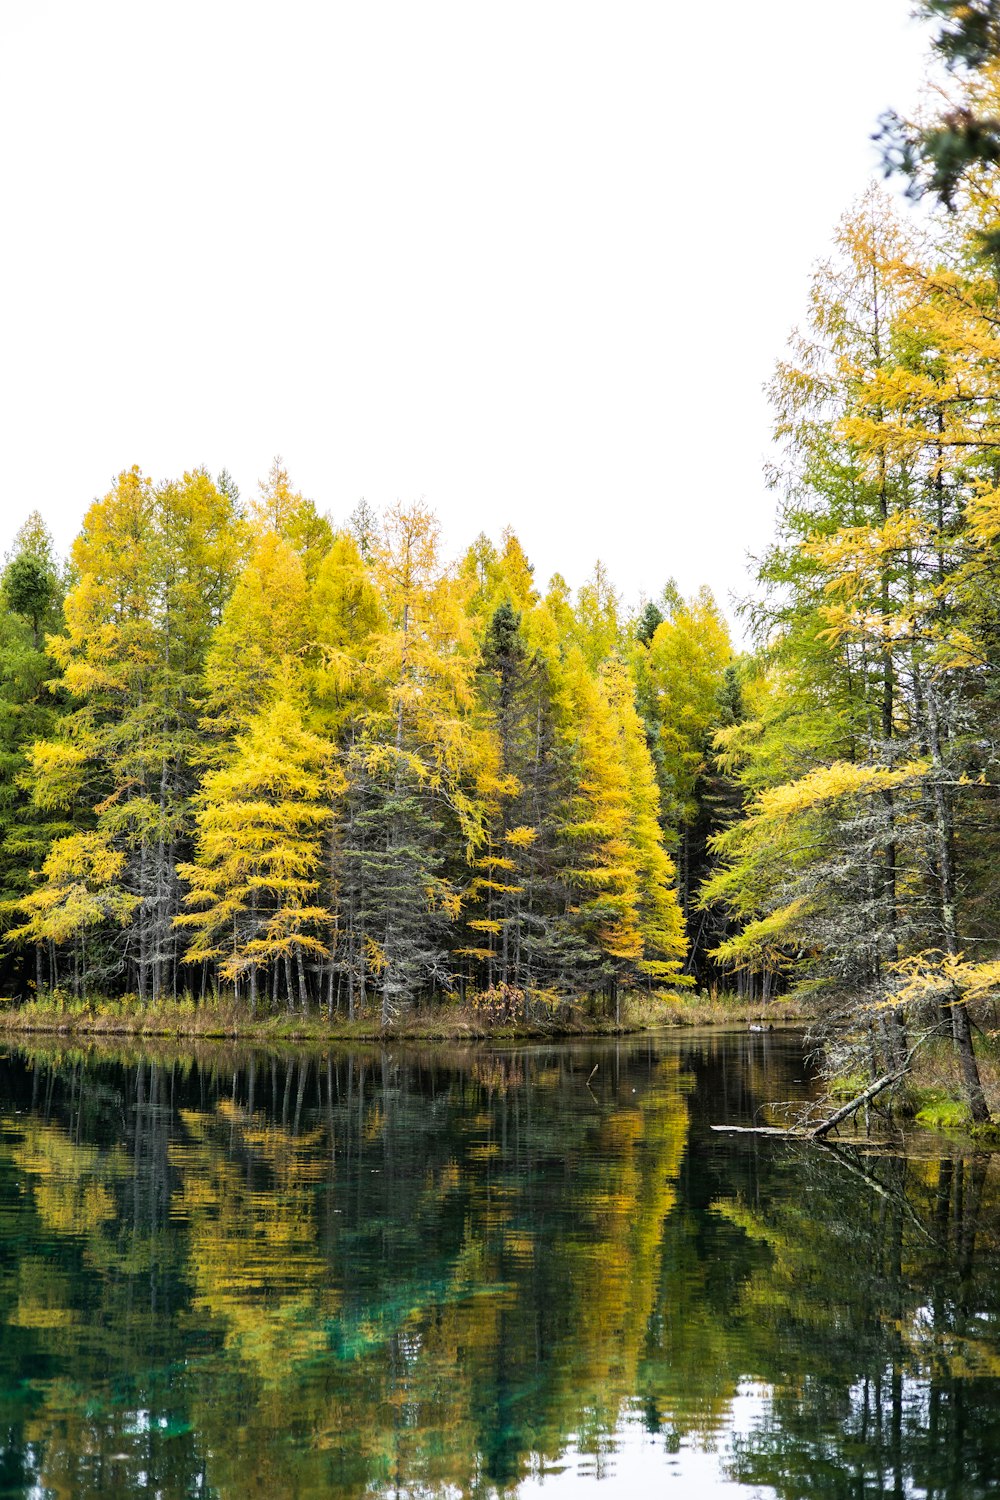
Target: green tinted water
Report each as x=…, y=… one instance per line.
x=466, y=1273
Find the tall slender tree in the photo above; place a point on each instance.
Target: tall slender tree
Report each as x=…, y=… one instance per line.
x=154, y=566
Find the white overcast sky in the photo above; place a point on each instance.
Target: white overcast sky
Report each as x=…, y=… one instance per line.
x=528, y=262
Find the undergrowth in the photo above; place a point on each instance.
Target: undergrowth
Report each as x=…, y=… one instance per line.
x=539, y=1014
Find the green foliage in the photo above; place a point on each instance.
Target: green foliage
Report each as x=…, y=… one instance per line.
x=935, y=1108
x=153, y=568
x=326, y=768
x=870, y=744
x=30, y=608
x=29, y=589
x=939, y=155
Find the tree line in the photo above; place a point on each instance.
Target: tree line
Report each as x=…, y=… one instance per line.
x=320, y=766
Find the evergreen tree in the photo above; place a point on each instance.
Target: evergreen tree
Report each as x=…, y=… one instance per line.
x=678, y=660
x=871, y=800
x=424, y=766
x=154, y=566
x=30, y=609
x=325, y=767
x=509, y=912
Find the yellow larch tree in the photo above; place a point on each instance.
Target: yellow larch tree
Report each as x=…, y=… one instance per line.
x=261, y=639
x=281, y=509
x=154, y=566
x=661, y=919
x=254, y=882
x=603, y=870
x=420, y=772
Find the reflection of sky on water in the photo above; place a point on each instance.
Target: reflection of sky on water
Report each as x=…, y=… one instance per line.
x=640, y=1464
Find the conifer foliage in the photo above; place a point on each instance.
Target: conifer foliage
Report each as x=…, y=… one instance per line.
x=867, y=751
x=321, y=768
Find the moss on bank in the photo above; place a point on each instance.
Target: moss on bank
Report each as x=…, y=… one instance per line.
x=224, y=1018
x=932, y=1095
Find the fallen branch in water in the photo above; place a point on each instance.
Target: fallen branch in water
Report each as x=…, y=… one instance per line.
x=879, y=1086
x=890, y=1194
x=818, y=1132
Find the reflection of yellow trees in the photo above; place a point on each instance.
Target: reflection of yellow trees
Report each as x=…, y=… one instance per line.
x=613, y=1261
x=618, y=1275
x=959, y=1198
x=69, y=1181
x=797, y=1257
x=445, y=1304
x=497, y=1074
x=478, y=1345
x=828, y=1270
x=439, y=1184
x=434, y=1382
x=689, y=1374
x=517, y=1313
x=687, y=1377
x=44, y=1297
x=253, y=1257
x=71, y=1191
x=79, y=1319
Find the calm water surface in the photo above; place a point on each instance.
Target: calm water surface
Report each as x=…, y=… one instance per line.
x=471, y=1273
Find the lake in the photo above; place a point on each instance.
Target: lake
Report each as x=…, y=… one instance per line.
x=472, y=1272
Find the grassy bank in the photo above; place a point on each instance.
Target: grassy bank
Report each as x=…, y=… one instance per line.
x=931, y=1095
x=224, y=1018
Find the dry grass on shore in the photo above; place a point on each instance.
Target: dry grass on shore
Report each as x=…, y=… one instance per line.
x=223, y=1018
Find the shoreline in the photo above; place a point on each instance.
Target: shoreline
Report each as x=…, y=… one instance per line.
x=76, y=1022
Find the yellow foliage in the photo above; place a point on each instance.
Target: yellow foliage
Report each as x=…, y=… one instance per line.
x=945, y=976
x=764, y=943
x=80, y=890
x=829, y=784
x=264, y=629
x=261, y=820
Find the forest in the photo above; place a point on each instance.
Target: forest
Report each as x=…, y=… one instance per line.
x=334, y=767
x=322, y=767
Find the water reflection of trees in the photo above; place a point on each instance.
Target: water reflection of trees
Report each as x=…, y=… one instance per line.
x=312, y=1273
x=876, y=1318
x=229, y=1274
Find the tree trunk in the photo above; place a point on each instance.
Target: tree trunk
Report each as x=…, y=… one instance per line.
x=869, y=1093
x=303, y=986
x=961, y=1031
